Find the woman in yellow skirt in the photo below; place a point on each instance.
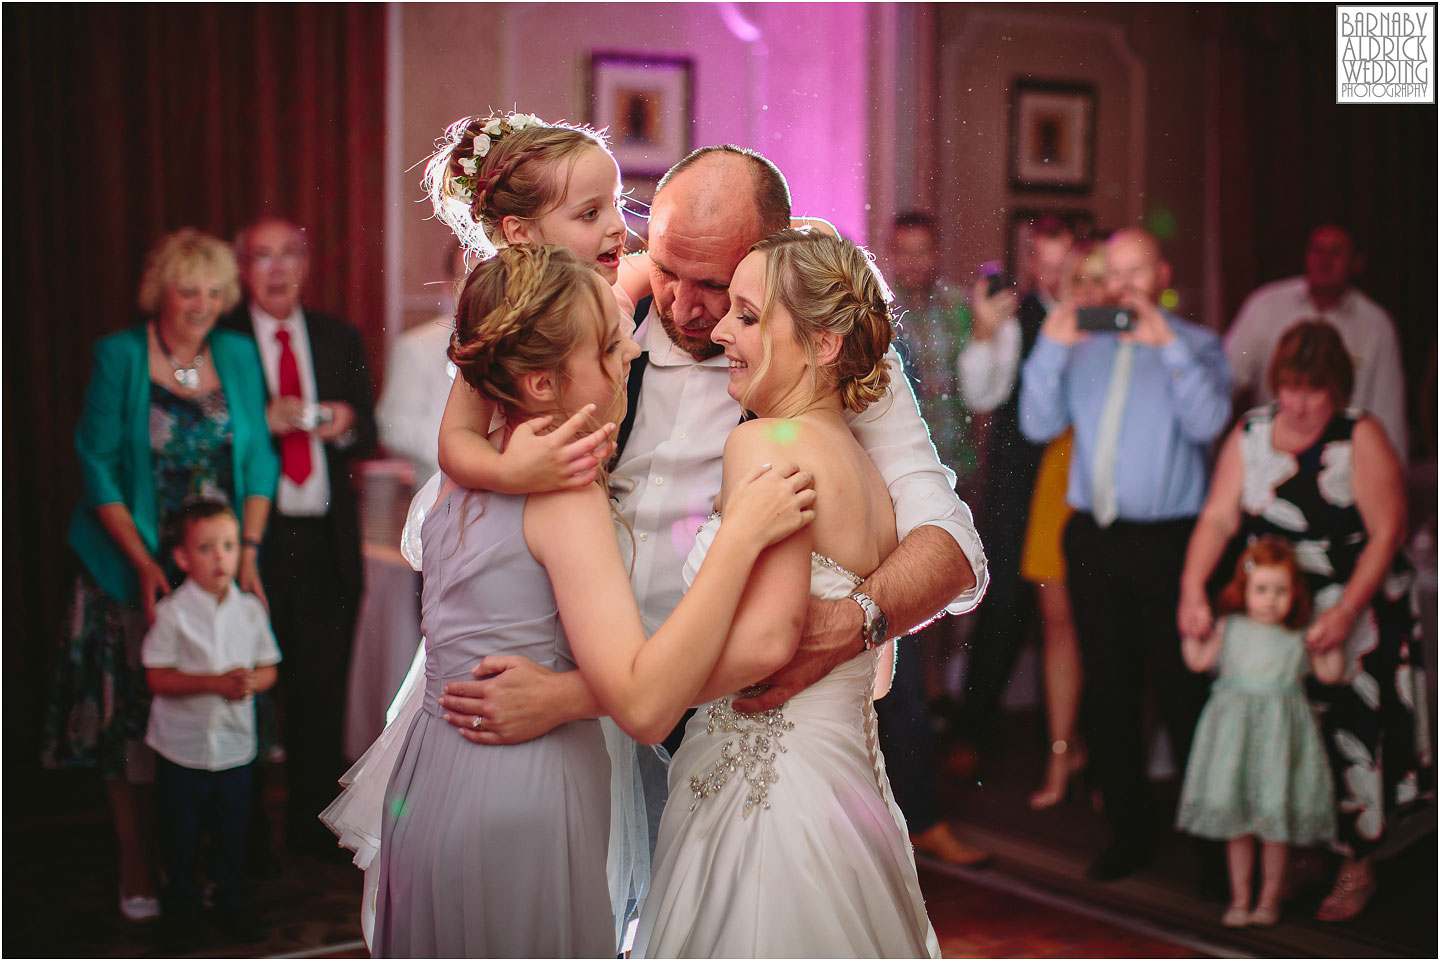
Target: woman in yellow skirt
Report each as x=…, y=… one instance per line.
x=1043, y=564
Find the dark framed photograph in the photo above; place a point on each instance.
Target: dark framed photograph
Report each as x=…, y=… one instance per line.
x=1052, y=136
x=645, y=102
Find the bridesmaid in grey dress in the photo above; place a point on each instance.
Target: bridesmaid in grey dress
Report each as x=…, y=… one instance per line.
x=455, y=811
x=500, y=851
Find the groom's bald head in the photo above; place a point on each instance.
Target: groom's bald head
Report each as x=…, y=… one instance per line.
x=707, y=212
x=720, y=178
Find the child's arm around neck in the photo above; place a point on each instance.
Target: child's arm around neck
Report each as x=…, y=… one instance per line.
x=532, y=462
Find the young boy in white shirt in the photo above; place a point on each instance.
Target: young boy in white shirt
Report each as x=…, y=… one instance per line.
x=210, y=650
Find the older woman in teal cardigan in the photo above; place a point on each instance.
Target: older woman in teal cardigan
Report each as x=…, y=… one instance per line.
x=175, y=410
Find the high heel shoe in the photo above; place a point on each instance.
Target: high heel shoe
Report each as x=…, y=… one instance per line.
x=139, y=907
x=940, y=842
x=1066, y=764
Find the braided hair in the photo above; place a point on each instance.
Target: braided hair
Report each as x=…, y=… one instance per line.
x=525, y=310
x=827, y=284
x=485, y=169
x=528, y=309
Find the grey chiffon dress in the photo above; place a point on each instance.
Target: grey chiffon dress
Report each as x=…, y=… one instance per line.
x=492, y=851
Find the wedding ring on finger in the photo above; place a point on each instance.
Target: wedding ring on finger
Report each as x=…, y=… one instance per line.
x=475, y=722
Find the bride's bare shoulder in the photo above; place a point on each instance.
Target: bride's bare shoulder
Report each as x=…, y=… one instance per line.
x=783, y=437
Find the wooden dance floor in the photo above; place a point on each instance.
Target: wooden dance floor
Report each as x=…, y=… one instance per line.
x=60, y=893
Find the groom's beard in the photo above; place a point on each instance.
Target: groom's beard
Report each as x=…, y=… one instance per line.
x=699, y=347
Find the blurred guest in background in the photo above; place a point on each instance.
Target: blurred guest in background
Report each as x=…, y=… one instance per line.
x=1042, y=563
x=989, y=365
x=322, y=421
x=1326, y=291
x=175, y=410
x=418, y=378
x=934, y=324
x=1145, y=405
x=1327, y=479
x=1257, y=768
x=208, y=653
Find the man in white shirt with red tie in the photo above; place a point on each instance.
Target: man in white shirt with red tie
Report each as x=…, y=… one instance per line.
x=321, y=419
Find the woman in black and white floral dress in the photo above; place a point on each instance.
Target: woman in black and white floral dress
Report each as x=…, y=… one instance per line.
x=1326, y=479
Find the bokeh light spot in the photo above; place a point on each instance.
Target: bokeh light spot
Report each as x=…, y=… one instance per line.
x=782, y=432
x=1169, y=298
x=1161, y=223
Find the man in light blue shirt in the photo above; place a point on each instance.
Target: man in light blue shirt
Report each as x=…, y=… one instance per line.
x=1146, y=405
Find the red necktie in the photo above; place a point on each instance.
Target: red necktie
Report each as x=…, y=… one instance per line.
x=295, y=446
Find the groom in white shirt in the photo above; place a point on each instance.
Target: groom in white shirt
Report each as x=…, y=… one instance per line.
x=668, y=470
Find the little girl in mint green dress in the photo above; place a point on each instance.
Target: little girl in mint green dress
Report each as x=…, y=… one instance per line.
x=1257, y=766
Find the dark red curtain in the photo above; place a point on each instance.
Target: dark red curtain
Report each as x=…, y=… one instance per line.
x=1291, y=157
x=123, y=123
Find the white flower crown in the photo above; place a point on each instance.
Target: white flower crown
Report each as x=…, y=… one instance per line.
x=452, y=203
x=493, y=131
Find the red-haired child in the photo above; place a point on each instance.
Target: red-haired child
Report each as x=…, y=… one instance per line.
x=1257, y=766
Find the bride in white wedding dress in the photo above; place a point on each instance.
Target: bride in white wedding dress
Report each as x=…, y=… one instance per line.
x=781, y=837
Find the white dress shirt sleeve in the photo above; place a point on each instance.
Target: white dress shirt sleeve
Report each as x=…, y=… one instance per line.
x=923, y=489
x=266, y=651
x=1380, y=385
x=161, y=647
x=1246, y=344
x=417, y=382
x=987, y=368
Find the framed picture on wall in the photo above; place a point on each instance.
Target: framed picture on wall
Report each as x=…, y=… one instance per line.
x=645, y=101
x=1052, y=136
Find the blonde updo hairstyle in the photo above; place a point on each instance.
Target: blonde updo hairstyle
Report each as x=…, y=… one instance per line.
x=829, y=285
x=523, y=311
x=185, y=255
x=515, y=177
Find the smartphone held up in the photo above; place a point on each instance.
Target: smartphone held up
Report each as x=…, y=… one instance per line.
x=1104, y=320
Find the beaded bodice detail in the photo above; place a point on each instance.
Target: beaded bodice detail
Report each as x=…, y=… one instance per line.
x=754, y=742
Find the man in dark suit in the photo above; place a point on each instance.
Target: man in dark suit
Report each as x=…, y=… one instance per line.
x=321, y=419
x=1013, y=463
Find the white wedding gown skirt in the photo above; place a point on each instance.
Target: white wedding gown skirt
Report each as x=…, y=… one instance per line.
x=781, y=837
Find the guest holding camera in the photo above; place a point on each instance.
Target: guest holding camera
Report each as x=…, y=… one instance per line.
x=1145, y=403
x=322, y=421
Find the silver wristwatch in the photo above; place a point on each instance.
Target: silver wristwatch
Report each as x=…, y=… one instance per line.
x=874, y=630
